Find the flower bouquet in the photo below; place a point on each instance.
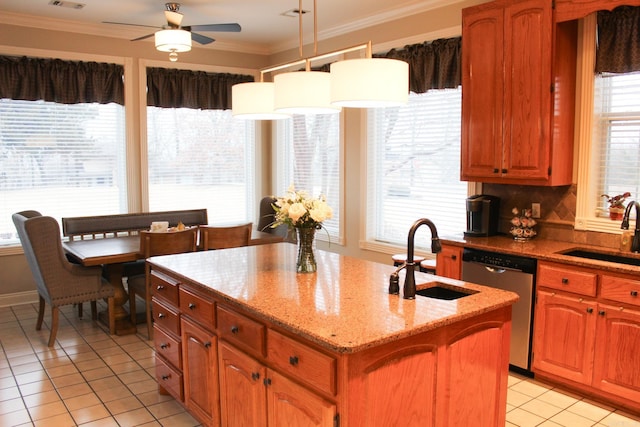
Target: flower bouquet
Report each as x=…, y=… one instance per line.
x=522, y=224
x=305, y=214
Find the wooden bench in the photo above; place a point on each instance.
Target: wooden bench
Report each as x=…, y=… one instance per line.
x=107, y=226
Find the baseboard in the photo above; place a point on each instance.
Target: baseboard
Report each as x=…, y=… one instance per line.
x=17, y=298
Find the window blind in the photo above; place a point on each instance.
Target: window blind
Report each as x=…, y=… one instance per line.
x=413, y=168
x=61, y=160
x=617, y=119
x=309, y=157
x=201, y=159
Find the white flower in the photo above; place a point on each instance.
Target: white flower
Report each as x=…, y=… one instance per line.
x=296, y=211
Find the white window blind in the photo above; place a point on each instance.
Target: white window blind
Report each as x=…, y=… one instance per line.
x=309, y=157
x=413, y=168
x=617, y=121
x=61, y=160
x=201, y=159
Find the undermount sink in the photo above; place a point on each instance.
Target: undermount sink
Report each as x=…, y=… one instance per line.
x=444, y=292
x=581, y=253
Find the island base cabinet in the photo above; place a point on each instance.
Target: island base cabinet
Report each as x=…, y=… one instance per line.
x=200, y=373
x=250, y=394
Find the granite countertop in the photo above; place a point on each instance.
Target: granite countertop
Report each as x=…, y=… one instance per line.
x=545, y=249
x=345, y=306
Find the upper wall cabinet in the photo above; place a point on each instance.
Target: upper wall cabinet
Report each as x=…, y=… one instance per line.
x=518, y=94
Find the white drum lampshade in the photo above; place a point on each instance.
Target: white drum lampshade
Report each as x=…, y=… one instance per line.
x=254, y=101
x=369, y=83
x=173, y=40
x=304, y=92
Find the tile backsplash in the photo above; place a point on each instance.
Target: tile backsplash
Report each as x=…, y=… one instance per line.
x=557, y=213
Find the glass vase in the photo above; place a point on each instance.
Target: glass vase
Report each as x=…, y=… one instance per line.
x=306, y=259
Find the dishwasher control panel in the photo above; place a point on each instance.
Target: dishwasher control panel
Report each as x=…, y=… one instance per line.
x=512, y=262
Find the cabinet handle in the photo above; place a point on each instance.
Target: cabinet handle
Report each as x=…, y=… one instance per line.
x=589, y=310
x=504, y=171
x=255, y=376
x=207, y=344
x=235, y=330
x=454, y=257
x=602, y=312
x=160, y=287
x=266, y=381
x=496, y=170
x=161, y=316
x=166, y=377
x=565, y=280
x=192, y=306
x=164, y=346
x=634, y=293
x=293, y=360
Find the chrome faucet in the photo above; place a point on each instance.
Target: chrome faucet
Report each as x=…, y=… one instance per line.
x=635, y=244
x=409, y=290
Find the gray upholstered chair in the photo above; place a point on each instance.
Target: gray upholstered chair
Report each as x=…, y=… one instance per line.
x=58, y=281
x=267, y=217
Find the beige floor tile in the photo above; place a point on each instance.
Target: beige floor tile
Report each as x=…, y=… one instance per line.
x=116, y=359
x=82, y=401
x=113, y=393
x=61, y=420
x=96, y=374
x=15, y=418
x=104, y=422
x=89, y=365
x=620, y=419
x=516, y=398
x=125, y=367
x=105, y=383
x=39, y=399
x=26, y=368
x=522, y=418
x=153, y=397
x=560, y=399
x=588, y=409
x=7, y=382
x=74, y=390
x=165, y=409
x=135, y=376
x=47, y=411
x=11, y=405
x=134, y=418
x=143, y=386
x=9, y=393
x=530, y=388
x=63, y=370
x=67, y=380
x=22, y=359
x=541, y=408
x=89, y=414
x=31, y=377
x=182, y=419
x=37, y=387
x=126, y=404
x=548, y=423
x=569, y=419
x=5, y=372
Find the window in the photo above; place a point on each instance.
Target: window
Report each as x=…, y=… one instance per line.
x=201, y=159
x=414, y=168
x=617, y=136
x=60, y=159
x=309, y=157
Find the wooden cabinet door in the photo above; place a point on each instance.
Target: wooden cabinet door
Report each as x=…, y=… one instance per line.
x=617, y=352
x=528, y=50
x=449, y=262
x=200, y=372
x=243, y=401
x=289, y=404
x=564, y=336
x=482, y=91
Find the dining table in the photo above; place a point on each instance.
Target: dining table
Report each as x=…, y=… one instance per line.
x=113, y=253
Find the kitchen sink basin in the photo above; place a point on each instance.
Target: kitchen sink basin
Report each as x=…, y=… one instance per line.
x=444, y=292
x=581, y=253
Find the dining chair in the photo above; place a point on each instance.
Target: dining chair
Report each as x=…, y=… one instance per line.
x=154, y=244
x=267, y=217
x=58, y=281
x=223, y=237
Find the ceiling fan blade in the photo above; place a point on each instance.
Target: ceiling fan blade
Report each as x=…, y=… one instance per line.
x=133, y=25
x=143, y=37
x=200, y=38
x=229, y=28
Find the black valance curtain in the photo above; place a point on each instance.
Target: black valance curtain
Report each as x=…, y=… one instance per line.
x=170, y=88
x=618, y=48
x=432, y=65
x=65, y=82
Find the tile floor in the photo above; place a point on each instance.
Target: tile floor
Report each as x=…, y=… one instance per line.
x=93, y=379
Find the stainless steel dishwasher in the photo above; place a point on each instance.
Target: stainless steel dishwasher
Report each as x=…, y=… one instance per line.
x=511, y=273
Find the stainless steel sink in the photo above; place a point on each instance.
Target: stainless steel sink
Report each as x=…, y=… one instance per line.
x=444, y=292
x=601, y=256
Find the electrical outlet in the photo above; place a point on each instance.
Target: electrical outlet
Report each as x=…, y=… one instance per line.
x=535, y=210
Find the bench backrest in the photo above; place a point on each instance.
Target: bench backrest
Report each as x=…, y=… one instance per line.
x=127, y=224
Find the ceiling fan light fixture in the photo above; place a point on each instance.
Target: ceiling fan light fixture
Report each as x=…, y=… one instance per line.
x=369, y=83
x=173, y=40
x=254, y=101
x=303, y=92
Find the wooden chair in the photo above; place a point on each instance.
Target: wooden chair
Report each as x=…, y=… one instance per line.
x=58, y=281
x=153, y=244
x=218, y=237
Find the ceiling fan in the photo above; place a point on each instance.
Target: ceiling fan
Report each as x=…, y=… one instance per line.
x=174, y=21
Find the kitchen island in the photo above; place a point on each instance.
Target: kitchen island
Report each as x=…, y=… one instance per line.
x=242, y=339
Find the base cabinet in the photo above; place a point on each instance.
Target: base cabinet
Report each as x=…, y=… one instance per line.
x=449, y=262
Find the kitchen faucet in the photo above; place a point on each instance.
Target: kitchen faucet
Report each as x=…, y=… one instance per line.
x=635, y=244
x=409, y=290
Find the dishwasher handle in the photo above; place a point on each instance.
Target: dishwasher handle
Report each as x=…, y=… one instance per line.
x=496, y=269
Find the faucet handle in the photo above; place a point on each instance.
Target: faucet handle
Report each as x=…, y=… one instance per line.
x=394, y=283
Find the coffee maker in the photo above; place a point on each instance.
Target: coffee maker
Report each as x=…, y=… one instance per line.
x=483, y=212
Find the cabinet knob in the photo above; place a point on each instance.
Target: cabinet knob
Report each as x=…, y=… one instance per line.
x=266, y=381
x=634, y=293
x=160, y=287
x=504, y=170
x=496, y=170
x=166, y=377
x=207, y=344
x=601, y=312
x=235, y=330
x=293, y=360
x=161, y=316
x=164, y=346
x=192, y=306
x=589, y=310
x=454, y=257
x=255, y=376
x=565, y=280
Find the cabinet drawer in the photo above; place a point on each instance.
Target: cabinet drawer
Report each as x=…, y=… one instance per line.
x=620, y=289
x=240, y=330
x=164, y=287
x=166, y=317
x=168, y=347
x=567, y=279
x=197, y=307
x=169, y=379
x=306, y=364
